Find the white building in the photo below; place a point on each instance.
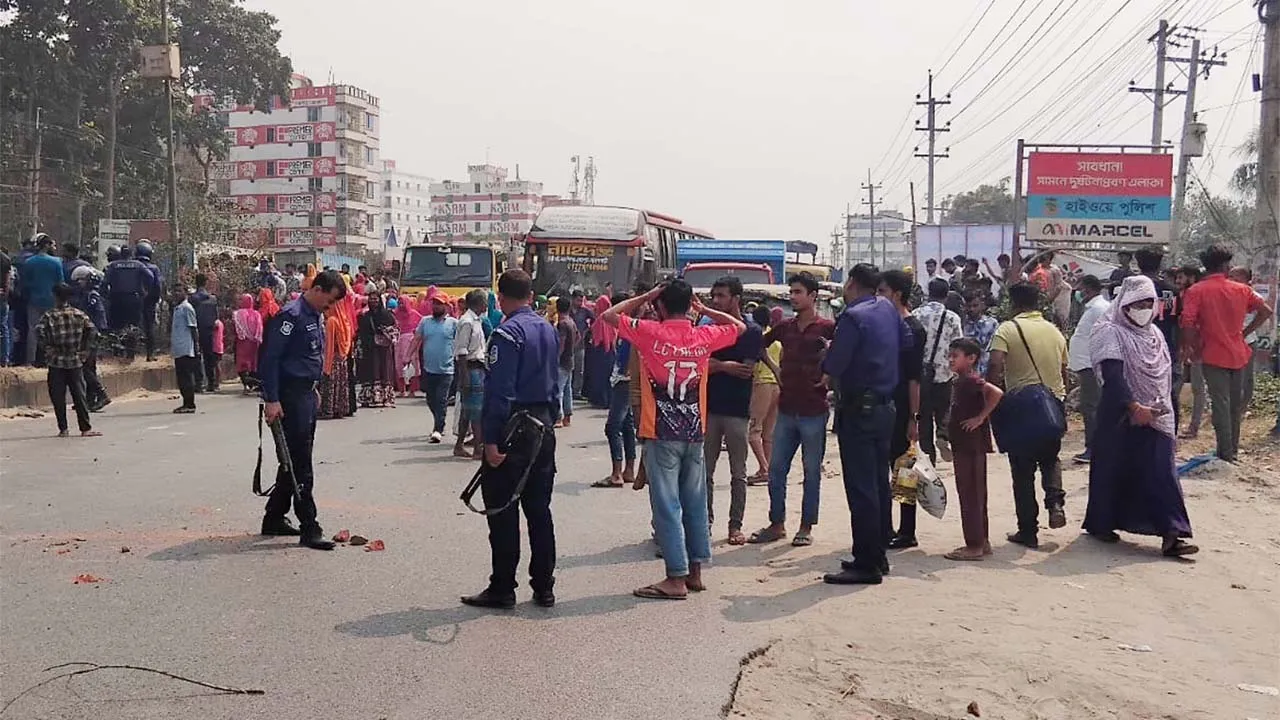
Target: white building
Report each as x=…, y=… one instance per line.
x=406, y=207
x=486, y=208
x=881, y=241
x=307, y=173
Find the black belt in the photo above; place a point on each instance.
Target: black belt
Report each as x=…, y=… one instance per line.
x=294, y=382
x=522, y=423
x=864, y=397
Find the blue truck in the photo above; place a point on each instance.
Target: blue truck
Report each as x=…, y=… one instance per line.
x=702, y=262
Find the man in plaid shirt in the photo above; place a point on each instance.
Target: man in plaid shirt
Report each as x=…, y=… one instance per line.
x=67, y=334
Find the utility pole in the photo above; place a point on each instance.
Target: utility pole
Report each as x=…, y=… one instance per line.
x=932, y=129
x=1161, y=90
x=872, y=203
x=848, y=236
x=1195, y=66
x=1266, y=227
x=35, y=174
x=175, y=233
x=837, y=252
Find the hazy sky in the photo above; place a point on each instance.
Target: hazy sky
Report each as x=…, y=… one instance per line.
x=761, y=119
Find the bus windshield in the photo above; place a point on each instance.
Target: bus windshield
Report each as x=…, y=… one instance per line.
x=706, y=277
x=448, y=267
x=561, y=267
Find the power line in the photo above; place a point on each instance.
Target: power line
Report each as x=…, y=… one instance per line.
x=977, y=60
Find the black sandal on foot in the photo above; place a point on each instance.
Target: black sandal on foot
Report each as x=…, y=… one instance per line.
x=1180, y=548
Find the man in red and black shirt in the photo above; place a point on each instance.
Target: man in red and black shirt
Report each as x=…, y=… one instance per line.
x=802, y=410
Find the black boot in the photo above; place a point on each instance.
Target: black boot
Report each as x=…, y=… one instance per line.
x=313, y=537
x=543, y=598
x=279, y=527
x=491, y=599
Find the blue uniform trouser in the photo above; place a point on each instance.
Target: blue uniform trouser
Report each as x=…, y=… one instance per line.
x=496, y=486
x=149, y=327
x=6, y=332
x=864, y=434
x=125, y=309
x=298, y=400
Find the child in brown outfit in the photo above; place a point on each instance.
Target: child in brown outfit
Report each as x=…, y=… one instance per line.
x=972, y=401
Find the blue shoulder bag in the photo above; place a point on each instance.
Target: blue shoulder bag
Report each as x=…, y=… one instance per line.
x=1029, y=416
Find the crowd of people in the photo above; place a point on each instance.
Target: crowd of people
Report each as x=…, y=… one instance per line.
x=904, y=364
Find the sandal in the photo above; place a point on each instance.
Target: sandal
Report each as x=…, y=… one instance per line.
x=1180, y=548
x=606, y=483
x=966, y=554
x=758, y=479
x=766, y=535
x=654, y=592
x=802, y=540
x=737, y=538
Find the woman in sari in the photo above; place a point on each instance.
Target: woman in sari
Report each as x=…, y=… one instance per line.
x=599, y=359
x=309, y=277
x=407, y=319
x=1133, y=482
x=267, y=306
x=376, y=364
x=248, y=325
x=335, y=395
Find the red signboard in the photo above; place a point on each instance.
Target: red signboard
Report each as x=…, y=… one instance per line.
x=306, y=237
x=314, y=96
x=1112, y=174
x=296, y=168
x=302, y=132
x=297, y=203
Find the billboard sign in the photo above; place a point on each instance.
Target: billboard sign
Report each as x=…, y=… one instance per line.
x=306, y=237
x=1109, y=198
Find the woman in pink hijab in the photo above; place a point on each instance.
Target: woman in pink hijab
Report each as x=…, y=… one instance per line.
x=407, y=319
x=248, y=324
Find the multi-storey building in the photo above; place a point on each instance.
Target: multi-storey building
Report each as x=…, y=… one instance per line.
x=881, y=241
x=307, y=174
x=486, y=208
x=406, y=206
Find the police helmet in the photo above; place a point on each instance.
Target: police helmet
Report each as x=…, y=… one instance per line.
x=43, y=240
x=87, y=274
x=126, y=252
x=143, y=250
x=113, y=253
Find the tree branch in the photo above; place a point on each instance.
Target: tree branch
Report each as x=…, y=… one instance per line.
x=94, y=667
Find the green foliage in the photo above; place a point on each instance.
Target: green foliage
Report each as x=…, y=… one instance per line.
x=986, y=204
x=104, y=127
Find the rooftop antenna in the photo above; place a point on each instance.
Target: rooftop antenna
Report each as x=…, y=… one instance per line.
x=574, y=186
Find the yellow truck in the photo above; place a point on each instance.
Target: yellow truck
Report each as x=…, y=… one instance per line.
x=454, y=268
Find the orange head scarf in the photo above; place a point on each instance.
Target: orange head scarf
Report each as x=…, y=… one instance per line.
x=267, y=304
x=309, y=277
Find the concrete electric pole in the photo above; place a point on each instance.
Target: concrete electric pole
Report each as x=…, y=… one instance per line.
x=175, y=233
x=1196, y=65
x=872, y=203
x=1158, y=92
x=1266, y=228
x=932, y=129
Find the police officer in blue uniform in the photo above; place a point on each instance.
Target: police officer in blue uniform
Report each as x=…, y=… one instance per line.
x=520, y=407
x=290, y=365
x=143, y=252
x=127, y=282
x=85, y=281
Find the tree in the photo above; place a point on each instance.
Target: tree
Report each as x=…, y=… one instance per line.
x=104, y=129
x=986, y=204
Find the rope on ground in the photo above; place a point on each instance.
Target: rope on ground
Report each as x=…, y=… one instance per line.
x=94, y=667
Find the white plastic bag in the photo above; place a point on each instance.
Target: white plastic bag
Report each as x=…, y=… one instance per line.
x=931, y=494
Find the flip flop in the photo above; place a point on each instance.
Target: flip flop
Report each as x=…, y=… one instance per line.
x=653, y=592
x=766, y=535
x=802, y=540
x=606, y=483
x=737, y=538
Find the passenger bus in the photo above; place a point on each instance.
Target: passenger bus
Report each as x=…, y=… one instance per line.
x=454, y=268
x=588, y=246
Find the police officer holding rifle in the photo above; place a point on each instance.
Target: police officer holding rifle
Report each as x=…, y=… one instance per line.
x=290, y=365
x=521, y=404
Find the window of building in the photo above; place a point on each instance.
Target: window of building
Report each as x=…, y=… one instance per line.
x=419, y=187
x=271, y=203
x=342, y=150
x=386, y=218
x=387, y=186
x=271, y=168
x=397, y=216
x=370, y=189
x=368, y=154
x=271, y=134
x=315, y=220
x=313, y=114
x=477, y=207
x=313, y=149
x=315, y=184
x=477, y=187
x=419, y=202
x=477, y=227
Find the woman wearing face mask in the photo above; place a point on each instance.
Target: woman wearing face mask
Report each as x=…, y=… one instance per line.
x=1133, y=484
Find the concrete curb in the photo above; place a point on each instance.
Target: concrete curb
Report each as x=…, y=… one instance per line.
x=29, y=389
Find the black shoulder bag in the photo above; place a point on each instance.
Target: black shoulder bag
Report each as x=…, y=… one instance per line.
x=929, y=370
x=1028, y=416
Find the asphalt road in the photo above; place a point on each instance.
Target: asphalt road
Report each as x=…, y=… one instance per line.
x=348, y=634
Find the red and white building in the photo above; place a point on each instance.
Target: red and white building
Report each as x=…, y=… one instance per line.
x=308, y=173
x=486, y=208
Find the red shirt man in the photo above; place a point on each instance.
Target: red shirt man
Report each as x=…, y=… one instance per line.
x=1215, y=309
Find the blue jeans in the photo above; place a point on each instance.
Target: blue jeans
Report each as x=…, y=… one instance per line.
x=678, y=498
x=792, y=433
x=620, y=428
x=437, y=391
x=6, y=332
x=566, y=392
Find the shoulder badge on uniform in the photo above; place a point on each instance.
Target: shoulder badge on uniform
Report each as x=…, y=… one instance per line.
x=493, y=354
x=286, y=327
